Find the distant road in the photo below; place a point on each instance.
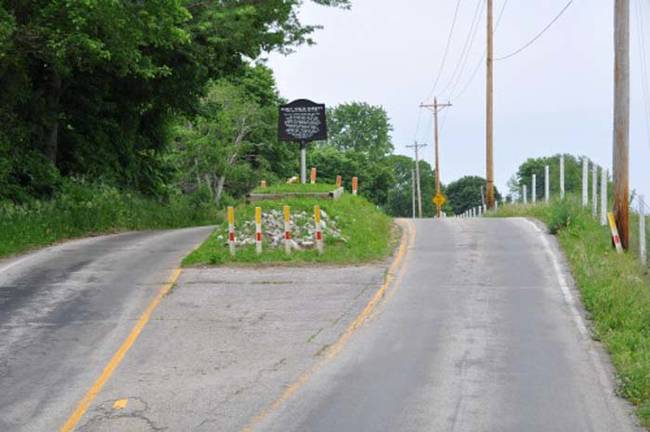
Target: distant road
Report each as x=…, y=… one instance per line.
x=477, y=336
x=64, y=311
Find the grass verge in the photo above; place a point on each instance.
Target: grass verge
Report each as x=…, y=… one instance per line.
x=81, y=210
x=367, y=230
x=296, y=187
x=615, y=290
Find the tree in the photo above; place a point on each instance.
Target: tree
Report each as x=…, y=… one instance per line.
x=465, y=193
x=360, y=127
x=93, y=86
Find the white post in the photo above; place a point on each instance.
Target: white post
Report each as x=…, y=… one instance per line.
x=480, y=211
x=231, y=230
x=287, y=229
x=534, y=189
x=561, y=176
x=496, y=204
x=319, y=233
x=594, y=191
x=525, y=195
x=603, y=197
x=585, y=182
x=642, y=233
x=547, y=183
x=258, y=230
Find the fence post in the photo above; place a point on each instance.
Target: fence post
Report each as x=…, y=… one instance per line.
x=534, y=189
x=594, y=191
x=561, y=176
x=231, y=230
x=585, y=182
x=287, y=229
x=642, y=233
x=339, y=181
x=319, y=233
x=258, y=230
x=355, y=185
x=547, y=183
x=525, y=195
x=312, y=176
x=603, y=197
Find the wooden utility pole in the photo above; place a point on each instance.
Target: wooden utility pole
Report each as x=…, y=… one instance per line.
x=489, y=115
x=436, y=107
x=417, y=148
x=622, y=119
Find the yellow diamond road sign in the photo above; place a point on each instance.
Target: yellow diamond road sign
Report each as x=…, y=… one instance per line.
x=439, y=200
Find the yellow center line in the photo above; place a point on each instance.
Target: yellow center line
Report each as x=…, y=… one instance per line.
x=117, y=358
x=408, y=236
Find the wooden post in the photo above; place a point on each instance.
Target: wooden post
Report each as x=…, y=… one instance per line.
x=312, y=176
x=435, y=132
x=231, y=230
x=603, y=197
x=339, y=181
x=355, y=186
x=594, y=191
x=562, y=177
x=489, y=131
x=585, y=182
x=263, y=184
x=642, y=233
x=622, y=119
x=413, y=191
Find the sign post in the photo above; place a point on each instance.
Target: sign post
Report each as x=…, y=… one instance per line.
x=302, y=121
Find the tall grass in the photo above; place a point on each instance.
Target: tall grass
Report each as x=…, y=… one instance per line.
x=615, y=290
x=82, y=209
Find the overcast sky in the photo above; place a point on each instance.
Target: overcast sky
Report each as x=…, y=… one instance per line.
x=555, y=96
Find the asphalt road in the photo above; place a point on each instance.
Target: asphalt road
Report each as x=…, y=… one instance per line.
x=65, y=310
x=479, y=331
x=479, y=334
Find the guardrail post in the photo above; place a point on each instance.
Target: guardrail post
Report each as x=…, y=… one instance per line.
x=642, y=233
x=287, y=229
x=258, y=230
x=231, y=230
x=319, y=233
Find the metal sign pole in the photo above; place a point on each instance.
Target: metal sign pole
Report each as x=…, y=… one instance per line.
x=303, y=162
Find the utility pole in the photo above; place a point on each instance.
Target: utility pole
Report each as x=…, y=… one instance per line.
x=436, y=107
x=417, y=148
x=413, y=191
x=622, y=119
x=489, y=115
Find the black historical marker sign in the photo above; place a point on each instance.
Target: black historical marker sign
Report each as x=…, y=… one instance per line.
x=302, y=120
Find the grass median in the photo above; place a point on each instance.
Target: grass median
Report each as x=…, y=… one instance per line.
x=615, y=290
x=367, y=235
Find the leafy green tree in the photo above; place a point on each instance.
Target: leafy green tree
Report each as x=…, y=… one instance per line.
x=93, y=86
x=465, y=193
x=360, y=127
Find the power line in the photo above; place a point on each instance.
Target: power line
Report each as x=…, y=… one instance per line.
x=539, y=35
x=480, y=62
x=469, y=41
x=444, y=57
